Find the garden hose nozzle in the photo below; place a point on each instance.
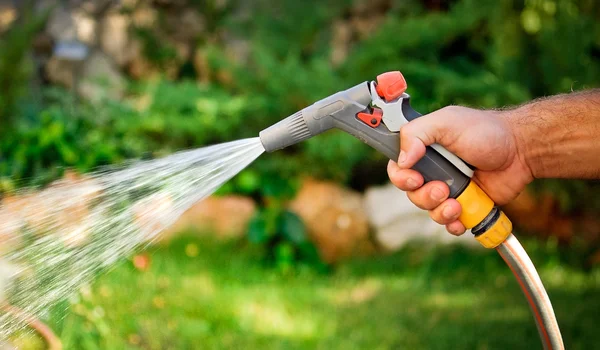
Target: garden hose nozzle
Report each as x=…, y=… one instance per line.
x=374, y=112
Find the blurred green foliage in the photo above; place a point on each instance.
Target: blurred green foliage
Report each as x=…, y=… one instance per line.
x=16, y=66
x=284, y=238
x=480, y=54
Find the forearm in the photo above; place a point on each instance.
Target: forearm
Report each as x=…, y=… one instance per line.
x=559, y=136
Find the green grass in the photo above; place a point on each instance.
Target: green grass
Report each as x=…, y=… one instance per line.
x=223, y=297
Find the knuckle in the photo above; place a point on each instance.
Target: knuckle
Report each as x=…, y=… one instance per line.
x=452, y=109
x=405, y=132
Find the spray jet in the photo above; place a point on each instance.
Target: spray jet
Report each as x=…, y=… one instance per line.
x=374, y=112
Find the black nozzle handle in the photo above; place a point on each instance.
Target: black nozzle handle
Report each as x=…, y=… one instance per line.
x=433, y=166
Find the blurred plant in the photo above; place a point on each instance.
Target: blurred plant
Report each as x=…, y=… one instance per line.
x=284, y=238
x=16, y=66
x=281, y=234
x=157, y=51
x=39, y=147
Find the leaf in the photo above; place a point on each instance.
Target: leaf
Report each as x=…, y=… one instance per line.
x=309, y=253
x=277, y=186
x=248, y=181
x=257, y=229
x=292, y=227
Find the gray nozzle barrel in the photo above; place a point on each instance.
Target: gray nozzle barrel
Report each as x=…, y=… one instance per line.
x=286, y=132
x=316, y=118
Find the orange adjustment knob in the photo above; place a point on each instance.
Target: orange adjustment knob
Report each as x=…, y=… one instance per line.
x=390, y=85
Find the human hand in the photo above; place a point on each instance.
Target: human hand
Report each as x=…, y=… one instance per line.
x=485, y=139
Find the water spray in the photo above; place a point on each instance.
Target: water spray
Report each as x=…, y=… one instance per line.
x=55, y=241
x=374, y=112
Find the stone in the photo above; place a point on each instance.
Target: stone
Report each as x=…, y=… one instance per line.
x=60, y=72
x=141, y=68
x=86, y=28
x=144, y=17
x=94, y=75
x=226, y=217
x=115, y=40
x=152, y=215
x=64, y=204
x=100, y=79
x=185, y=26
x=340, y=42
x=397, y=220
x=73, y=215
x=8, y=14
x=237, y=49
x=61, y=25
x=334, y=216
x=96, y=7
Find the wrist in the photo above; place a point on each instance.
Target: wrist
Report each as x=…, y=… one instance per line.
x=527, y=153
x=557, y=137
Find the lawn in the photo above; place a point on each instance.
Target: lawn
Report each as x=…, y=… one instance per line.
x=197, y=293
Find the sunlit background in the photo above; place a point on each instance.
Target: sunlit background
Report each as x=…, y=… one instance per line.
x=309, y=247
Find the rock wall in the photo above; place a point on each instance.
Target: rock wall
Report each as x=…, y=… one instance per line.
x=91, y=46
x=397, y=221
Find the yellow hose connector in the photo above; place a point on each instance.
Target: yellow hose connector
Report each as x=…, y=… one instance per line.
x=496, y=234
x=476, y=205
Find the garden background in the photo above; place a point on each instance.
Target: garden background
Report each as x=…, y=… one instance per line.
x=90, y=83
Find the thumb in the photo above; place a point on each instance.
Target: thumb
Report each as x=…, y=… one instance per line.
x=421, y=132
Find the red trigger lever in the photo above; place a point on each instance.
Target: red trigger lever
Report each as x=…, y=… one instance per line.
x=372, y=119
